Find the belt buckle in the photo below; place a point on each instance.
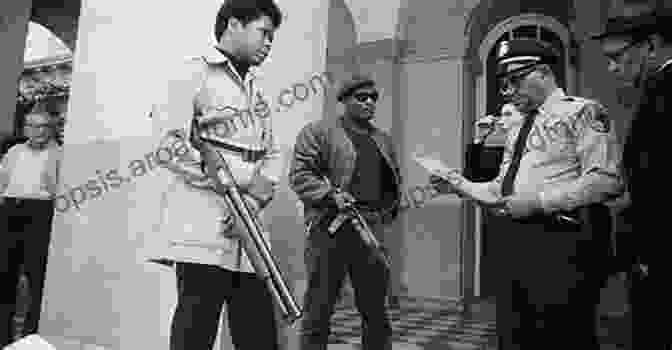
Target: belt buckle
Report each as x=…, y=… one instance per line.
x=251, y=155
x=247, y=155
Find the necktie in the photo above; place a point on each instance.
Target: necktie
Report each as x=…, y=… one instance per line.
x=507, y=183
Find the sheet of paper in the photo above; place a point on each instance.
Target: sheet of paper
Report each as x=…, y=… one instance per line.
x=434, y=165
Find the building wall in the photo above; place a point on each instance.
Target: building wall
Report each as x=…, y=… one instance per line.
x=14, y=17
x=435, y=103
x=416, y=50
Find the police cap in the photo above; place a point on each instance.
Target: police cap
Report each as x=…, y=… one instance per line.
x=525, y=53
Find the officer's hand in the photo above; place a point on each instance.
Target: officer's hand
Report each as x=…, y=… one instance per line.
x=447, y=183
x=521, y=205
x=484, y=127
x=343, y=199
x=441, y=185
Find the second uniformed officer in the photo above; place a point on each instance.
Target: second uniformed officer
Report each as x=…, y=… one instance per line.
x=561, y=161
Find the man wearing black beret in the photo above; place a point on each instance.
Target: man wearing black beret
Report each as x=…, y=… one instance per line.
x=561, y=161
x=639, y=49
x=340, y=162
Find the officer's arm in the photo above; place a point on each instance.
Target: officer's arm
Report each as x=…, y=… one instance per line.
x=599, y=155
x=485, y=192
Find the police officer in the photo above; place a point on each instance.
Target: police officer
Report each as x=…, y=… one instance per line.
x=561, y=160
x=639, y=49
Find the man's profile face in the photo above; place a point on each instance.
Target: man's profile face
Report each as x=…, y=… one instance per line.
x=253, y=41
x=524, y=89
x=37, y=129
x=361, y=104
x=626, y=58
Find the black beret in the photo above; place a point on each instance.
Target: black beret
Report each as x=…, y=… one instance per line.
x=525, y=51
x=639, y=26
x=355, y=82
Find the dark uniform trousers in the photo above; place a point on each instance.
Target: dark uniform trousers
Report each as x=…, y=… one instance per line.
x=25, y=233
x=549, y=286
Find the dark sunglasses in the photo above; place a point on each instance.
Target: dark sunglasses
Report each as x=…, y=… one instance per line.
x=363, y=97
x=614, y=56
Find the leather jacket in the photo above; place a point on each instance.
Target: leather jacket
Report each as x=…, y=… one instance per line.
x=324, y=150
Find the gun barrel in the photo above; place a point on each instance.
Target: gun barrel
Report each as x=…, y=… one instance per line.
x=256, y=247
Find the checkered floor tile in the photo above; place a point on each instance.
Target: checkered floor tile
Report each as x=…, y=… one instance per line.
x=426, y=324
x=429, y=325
x=419, y=324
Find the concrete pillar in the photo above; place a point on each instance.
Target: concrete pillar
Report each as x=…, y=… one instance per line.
x=100, y=289
x=14, y=17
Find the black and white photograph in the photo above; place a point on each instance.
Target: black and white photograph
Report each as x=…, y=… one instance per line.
x=332, y=174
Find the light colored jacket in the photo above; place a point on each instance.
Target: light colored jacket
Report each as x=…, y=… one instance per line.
x=209, y=89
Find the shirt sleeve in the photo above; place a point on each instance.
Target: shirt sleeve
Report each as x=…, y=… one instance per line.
x=599, y=156
x=307, y=164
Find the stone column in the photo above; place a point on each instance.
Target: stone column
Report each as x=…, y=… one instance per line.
x=14, y=17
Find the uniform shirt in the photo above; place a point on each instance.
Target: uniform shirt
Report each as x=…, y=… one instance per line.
x=571, y=157
x=29, y=173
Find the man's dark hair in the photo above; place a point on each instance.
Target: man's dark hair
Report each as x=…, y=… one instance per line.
x=246, y=11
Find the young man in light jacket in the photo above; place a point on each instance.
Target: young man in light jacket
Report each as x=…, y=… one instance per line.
x=28, y=185
x=220, y=93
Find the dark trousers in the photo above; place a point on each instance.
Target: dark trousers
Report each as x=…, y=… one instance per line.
x=25, y=232
x=201, y=293
x=328, y=259
x=549, y=286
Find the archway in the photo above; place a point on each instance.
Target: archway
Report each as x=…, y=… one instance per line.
x=59, y=17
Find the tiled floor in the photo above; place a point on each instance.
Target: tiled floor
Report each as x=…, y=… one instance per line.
x=419, y=324
x=431, y=325
x=427, y=324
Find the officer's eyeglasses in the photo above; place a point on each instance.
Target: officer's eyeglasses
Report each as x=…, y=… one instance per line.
x=36, y=126
x=363, y=97
x=511, y=83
